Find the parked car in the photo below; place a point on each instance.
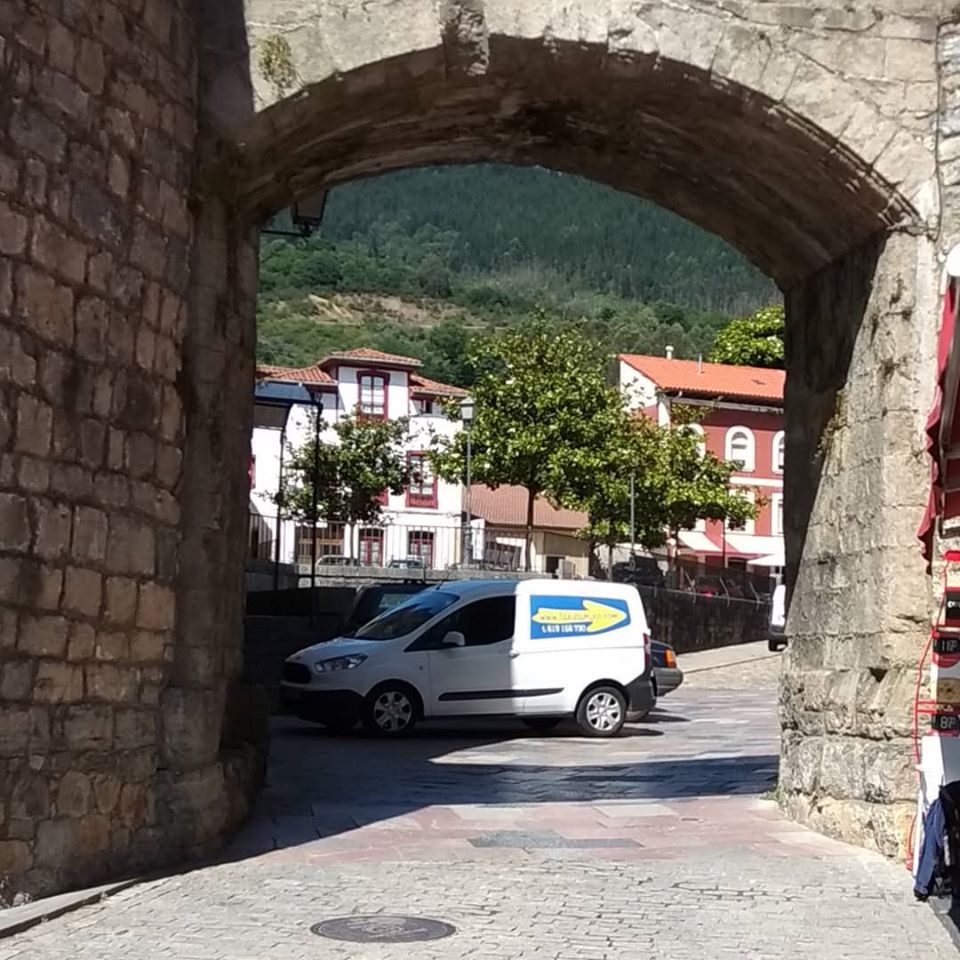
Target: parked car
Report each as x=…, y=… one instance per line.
x=778, y=619
x=709, y=585
x=540, y=650
x=376, y=599
x=334, y=560
x=667, y=676
x=408, y=563
x=642, y=571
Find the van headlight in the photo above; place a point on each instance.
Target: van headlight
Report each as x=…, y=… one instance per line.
x=339, y=663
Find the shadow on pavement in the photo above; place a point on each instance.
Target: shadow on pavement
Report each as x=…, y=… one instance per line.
x=321, y=785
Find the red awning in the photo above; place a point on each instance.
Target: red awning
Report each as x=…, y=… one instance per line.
x=943, y=429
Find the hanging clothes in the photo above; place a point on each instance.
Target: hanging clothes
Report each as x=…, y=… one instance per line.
x=939, y=864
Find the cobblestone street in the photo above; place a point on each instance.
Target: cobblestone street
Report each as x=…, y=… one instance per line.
x=659, y=844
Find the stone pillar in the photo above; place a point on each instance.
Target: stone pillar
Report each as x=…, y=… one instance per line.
x=97, y=141
x=860, y=371
x=125, y=373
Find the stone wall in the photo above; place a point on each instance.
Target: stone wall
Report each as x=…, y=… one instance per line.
x=135, y=164
x=860, y=376
x=689, y=622
x=98, y=132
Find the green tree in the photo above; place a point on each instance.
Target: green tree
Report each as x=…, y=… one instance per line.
x=544, y=416
x=675, y=485
x=755, y=341
x=345, y=479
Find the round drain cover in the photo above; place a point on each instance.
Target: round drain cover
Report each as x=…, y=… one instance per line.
x=382, y=928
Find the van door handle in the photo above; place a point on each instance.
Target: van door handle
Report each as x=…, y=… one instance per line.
x=514, y=654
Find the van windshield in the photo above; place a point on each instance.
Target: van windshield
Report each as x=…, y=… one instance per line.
x=407, y=617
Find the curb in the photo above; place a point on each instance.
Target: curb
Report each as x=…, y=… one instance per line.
x=729, y=663
x=16, y=920
x=948, y=915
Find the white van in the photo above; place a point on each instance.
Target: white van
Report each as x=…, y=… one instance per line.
x=540, y=650
x=778, y=618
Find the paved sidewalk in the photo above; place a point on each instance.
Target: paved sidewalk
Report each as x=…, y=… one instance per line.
x=656, y=845
x=749, y=666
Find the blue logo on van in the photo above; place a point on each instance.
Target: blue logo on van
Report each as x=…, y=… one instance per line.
x=568, y=616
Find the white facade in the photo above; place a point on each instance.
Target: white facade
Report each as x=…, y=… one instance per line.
x=423, y=521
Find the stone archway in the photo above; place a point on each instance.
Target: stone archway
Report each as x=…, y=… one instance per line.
x=773, y=130
x=138, y=154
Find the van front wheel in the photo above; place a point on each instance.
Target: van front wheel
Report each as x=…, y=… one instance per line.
x=391, y=710
x=602, y=712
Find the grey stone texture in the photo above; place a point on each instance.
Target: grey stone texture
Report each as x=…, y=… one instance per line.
x=111, y=756
x=142, y=141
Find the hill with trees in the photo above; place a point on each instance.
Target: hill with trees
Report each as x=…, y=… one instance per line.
x=420, y=261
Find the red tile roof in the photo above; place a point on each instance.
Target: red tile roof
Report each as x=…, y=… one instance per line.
x=717, y=380
x=434, y=387
x=506, y=506
x=371, y=356
x=314, y=374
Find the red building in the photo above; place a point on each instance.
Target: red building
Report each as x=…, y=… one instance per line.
x=742, y=421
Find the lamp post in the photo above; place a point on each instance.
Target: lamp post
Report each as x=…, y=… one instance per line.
x=467, y=410
x=317, y=424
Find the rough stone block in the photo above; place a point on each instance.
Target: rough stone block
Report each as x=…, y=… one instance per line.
x=191, y=722
x=112, y=645
x=14, y=522
x=89, y=534
x=121, y=599
x=48, y=305
x=16, y=679
x=92, y=323
x=23, y=729
x=58, y=252
x=147, y=647
x=88, y=727
x=135, y=728
x=131, y=546
x=58, y=682
x=74, y=795
x=42, y=636
x=156, y=607
x=82, y=591
x=14, y=227
x=106, y=791
x=111, y=682
x=81, y=642
x=16, y=857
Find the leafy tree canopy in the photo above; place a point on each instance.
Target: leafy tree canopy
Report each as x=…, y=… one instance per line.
x=675, y=485
x=544, y=415
x=351, y=474
x=755, y=341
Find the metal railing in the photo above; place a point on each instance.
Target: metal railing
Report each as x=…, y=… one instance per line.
x=403, y=543
x=691, y=576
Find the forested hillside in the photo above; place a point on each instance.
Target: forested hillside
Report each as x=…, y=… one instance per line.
x=418, y=262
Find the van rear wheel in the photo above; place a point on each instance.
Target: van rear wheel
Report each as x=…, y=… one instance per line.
x=602, y=712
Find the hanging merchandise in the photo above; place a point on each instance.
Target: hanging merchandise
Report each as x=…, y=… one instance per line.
x=938, y=868
x=938, y=751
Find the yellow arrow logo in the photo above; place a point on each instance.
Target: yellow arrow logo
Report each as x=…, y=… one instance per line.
x=596, y=616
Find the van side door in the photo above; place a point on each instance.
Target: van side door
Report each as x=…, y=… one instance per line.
x=476, y=678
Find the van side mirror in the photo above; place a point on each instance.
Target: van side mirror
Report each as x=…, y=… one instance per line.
x=454, y=639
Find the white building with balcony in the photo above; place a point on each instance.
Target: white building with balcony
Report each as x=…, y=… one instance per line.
x=421, y=525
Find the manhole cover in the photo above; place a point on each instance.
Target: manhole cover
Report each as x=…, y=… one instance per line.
x=383, y=929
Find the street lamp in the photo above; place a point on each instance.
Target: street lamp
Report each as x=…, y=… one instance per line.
x=467, y=411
